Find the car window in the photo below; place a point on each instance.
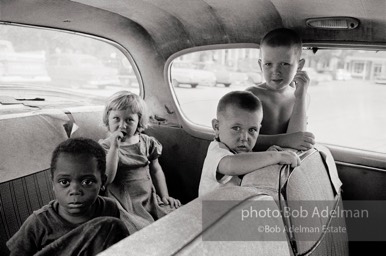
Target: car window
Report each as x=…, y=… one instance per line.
x=347, y=91
x=60, y=68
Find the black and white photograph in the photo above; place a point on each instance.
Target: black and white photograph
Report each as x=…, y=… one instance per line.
x=192, y=127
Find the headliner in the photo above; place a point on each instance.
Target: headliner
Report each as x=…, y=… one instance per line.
x=168, y=26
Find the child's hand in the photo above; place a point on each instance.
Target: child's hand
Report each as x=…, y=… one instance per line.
x=290, y=158
x=116, y=138
x=301, y=82
x=168, y=200
x=298, y=140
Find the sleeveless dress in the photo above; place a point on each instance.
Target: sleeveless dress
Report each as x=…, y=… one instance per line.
x=133, y=187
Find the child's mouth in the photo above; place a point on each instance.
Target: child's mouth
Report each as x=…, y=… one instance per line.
x=242, y=149
x=76, y=205
x=122, y=139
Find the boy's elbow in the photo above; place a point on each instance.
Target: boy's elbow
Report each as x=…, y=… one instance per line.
x=225, y=167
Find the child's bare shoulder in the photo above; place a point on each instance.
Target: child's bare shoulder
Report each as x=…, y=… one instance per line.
x=260, y=91
x=257, y=89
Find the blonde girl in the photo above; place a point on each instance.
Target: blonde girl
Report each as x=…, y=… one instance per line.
x=134, y=176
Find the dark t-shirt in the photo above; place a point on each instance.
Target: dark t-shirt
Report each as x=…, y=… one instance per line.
x=45, y=225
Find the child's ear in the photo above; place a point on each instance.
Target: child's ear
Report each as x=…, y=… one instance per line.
x=215, y=126
x=301, y=64
x=104, y=179
x=261, y=68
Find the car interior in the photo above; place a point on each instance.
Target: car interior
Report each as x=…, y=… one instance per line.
x=347, y=164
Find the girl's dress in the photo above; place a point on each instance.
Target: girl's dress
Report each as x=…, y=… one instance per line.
x=133, y=187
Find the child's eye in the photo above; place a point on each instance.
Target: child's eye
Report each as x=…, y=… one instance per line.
x=253, y=130
x=88, y=182
x=64, y=182
x=236, y=128
x=267, y=64
x=284, y=64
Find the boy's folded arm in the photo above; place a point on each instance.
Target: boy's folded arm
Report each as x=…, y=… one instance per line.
x=244, y=163
x=264, y=141
x=297, y=140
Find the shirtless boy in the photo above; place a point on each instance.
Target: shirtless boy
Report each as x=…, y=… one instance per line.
x=284, y=92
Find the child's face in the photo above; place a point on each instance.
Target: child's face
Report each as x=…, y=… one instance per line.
x=279, y=65
x=123, y=120
x=238, y=128
x=76, y=184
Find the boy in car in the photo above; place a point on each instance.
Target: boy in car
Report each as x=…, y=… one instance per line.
x=78, y=221
x=284, y=92
x=237, y=126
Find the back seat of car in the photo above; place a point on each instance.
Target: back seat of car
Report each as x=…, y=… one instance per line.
x=27, y=142
x=18, y=199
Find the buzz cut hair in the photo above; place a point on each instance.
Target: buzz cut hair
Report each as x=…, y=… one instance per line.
x=283, y=37
x=77, y=146
x=242, y=99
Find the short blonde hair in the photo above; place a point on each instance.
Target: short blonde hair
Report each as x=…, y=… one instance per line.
x=283, y=37
x=125, y=100
x=242, y=99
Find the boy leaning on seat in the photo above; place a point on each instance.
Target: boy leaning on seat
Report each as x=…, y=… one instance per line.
x=237, y=126
x=284, y=99
x=284, y=92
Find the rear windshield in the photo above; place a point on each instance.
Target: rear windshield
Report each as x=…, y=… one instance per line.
x=41, y=68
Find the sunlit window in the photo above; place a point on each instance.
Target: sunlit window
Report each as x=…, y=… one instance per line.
x=347, y=91
x=58, y=68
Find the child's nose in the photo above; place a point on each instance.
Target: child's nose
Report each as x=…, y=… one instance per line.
x=122, y=124
x=276, y=68
x=75, y=188
x=244, y=135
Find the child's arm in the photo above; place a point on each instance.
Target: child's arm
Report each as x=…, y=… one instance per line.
x=159, y=181
x=112, y=156
x=26, y=240
x=244, y=163
x=298, y=120
x=296, y=140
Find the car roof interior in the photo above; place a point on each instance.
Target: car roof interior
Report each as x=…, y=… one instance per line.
x=174, y=25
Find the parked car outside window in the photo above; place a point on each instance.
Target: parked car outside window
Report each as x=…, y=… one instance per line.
x=190, y=74
x=80, y=70
x=224, y=75
x=380, y=80
x=251, y=67
x=23, y=66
